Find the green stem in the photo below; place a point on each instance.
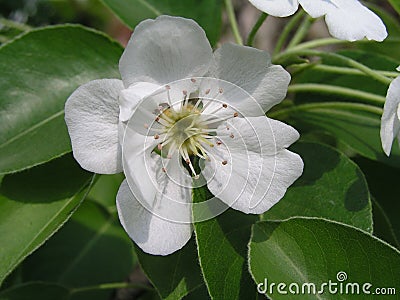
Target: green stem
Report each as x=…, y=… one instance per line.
x=254, y=30
x=341, y=70
x=111, y=286
x=320, y=43
x=337, y=90
x=278, y=59
x=286, y=31
x=15, y=25
x=232, y=19
x=326, y=105
x=332, y=41
x=301, y=32
x=3, y=39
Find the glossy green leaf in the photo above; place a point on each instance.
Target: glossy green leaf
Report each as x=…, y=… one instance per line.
x=92, y=248
x=175, y=275
x=35, y=290
x=222, y=247
x=331, y=187
x=206, y=12
x=356, y=125
x=36, y=203
x=315, y=251
x=104, y=191
x=39, y=70
x=382, y=181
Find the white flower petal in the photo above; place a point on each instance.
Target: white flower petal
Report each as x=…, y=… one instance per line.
x=347, y=19
x=91, y=114
x=160, y=184
x=164, y=50
x=251, y=70
x=251, y=170
x=151, y=233
x=390, y=124
x=277, y=8
x=132, y=96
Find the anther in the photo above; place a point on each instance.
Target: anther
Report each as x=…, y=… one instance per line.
x=146, y=125
x=193, y=80
x=184, y=92
x=164, y=170
x=156, y=136
x=207, y=91
x=220, y=90
x=167, y=87
x=231, y=136
x=224, y=105
x=224, y=162
x=188, y=161
x=219, y=143
x=159, y=147
x=235, y=114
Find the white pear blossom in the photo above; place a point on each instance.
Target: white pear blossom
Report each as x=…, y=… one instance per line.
x=346, y=19
x=179, y=103
x=390, y=123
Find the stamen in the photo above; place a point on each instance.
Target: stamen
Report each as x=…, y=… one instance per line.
x=162, y=121
x=185, y=98
x=168, y=95
x=166, y=118
x=185, y=156
x=217, y=110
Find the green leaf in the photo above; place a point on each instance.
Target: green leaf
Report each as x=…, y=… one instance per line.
x=174, y=276
x=359, y=82
x=104, y=191
x=35, y=290
x=396, y=5
x=356, y=125
x=382, y=181
x=92, y=248
x=39, y=70
x=206, y=12
x=314, y=251
x=222, y=247
x=34, y=204
x=331, y=187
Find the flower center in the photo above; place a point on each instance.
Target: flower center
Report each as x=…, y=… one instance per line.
x=189, y=127
x=184, y=130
